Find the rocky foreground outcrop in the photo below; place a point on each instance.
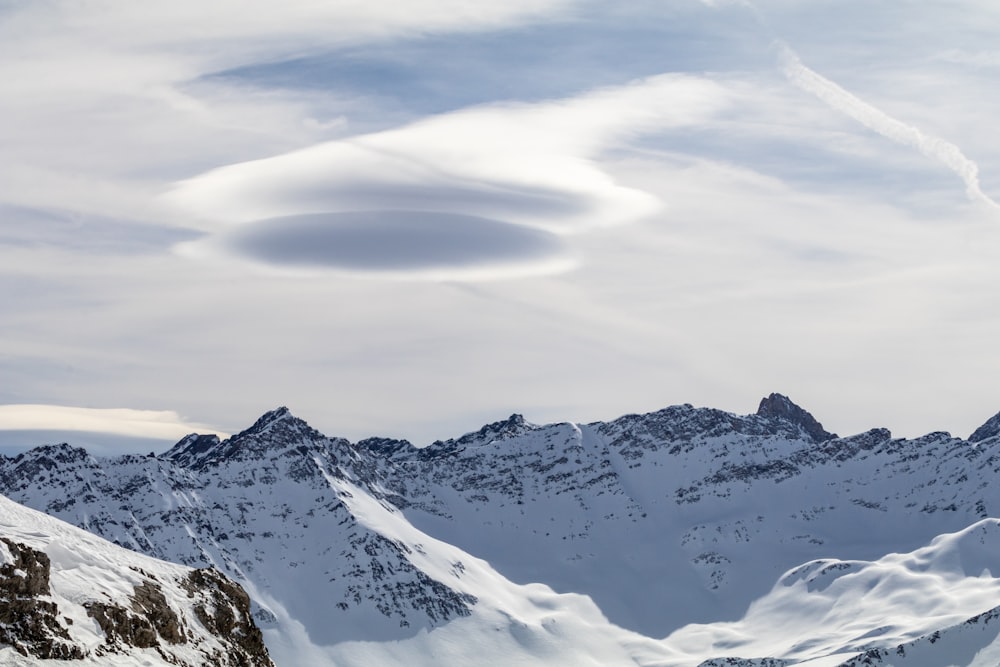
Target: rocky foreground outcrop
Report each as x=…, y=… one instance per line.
x=70, y=596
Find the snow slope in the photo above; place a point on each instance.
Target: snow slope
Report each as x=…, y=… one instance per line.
x=66, y=594
x=922, y=601
x=712, y=506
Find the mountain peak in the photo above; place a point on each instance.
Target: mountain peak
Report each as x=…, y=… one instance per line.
x=279, y=425
x=513, y=425
x=988, y=430
x=515, y=421
x=779, y=406
x=271, y=417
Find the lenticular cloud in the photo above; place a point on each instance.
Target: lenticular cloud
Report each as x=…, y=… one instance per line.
x=391, y=243
x=477, y=193
x=874, y=119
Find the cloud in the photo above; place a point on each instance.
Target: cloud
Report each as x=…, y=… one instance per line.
x=714, y=298
x=523, y=163
x=985, y=59
x=233, y=31
x=390, y=243
x=86, y=234
x=873, y=118
x=154, y=424
x=104, y=102
x=498, y=166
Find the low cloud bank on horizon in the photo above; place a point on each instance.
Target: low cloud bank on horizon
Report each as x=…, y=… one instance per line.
x=153, y=424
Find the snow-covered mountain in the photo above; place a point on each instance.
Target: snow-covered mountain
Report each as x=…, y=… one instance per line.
x=897, y=607
x=68, y=595
x=564, y=543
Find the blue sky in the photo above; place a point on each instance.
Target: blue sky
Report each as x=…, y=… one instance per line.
x=408, y=221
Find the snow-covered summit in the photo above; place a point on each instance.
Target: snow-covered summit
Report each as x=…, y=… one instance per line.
x=272, y=433
x=504, y=429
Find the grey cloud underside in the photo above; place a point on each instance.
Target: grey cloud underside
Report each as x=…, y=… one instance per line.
x=389, y=241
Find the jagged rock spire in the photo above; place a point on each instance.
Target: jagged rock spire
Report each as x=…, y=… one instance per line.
x=988, y=430
x=778, y=406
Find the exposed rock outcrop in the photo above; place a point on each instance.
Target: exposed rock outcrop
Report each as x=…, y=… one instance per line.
x=781, y=407
x=224, y=609
x=149, y=620
x=28, y=621
x=990, y=429
x=68, y=595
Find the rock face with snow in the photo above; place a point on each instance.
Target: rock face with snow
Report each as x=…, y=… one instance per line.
x=781, y=407
x=28, y=620
x=685, y=515
x=972, y=643
x=990, y=429
x=68, y=595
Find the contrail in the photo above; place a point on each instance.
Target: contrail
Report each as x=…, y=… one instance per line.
x=837, y=98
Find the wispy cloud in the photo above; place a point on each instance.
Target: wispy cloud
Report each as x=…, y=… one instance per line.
x=227, y=31
x=877, y=120
x=103, y=102
x=987, y=59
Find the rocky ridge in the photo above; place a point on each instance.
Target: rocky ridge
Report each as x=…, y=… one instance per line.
x=697, y=494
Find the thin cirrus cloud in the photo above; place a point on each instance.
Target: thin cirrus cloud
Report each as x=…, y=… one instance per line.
x=488, y=173
x=228, y=32
x=875, y=119
x=105, y=101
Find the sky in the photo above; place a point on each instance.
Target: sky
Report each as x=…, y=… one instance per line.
x=410, y=219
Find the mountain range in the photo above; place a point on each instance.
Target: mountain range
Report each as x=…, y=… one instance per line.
x=683, y=537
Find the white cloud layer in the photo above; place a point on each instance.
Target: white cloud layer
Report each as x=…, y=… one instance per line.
x=152, y=424
x=529, y=164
